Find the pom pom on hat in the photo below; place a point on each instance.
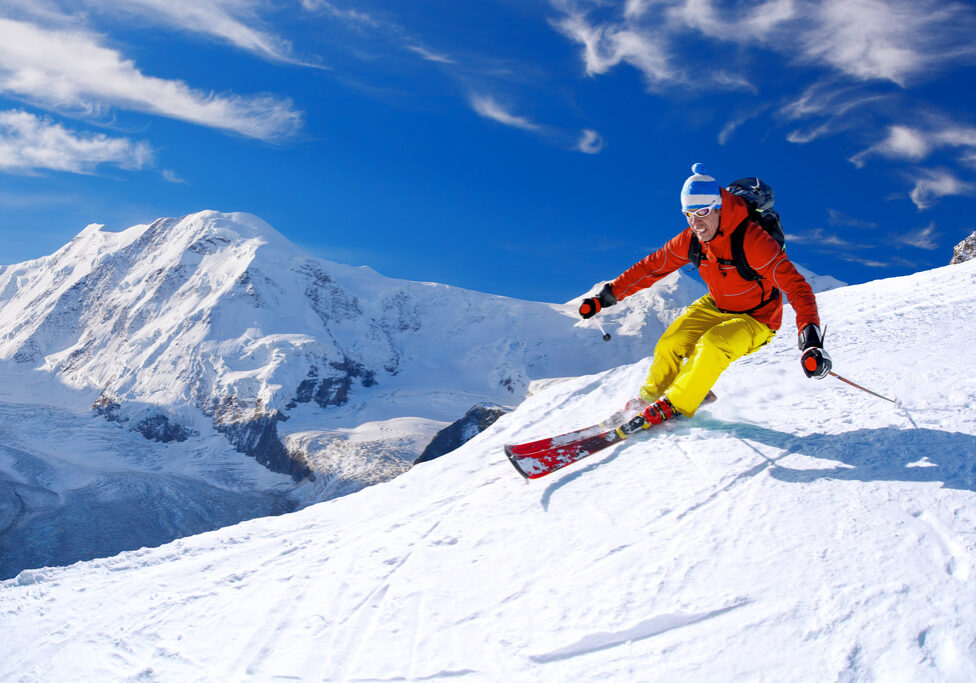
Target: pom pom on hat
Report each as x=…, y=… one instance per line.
x=700, y=190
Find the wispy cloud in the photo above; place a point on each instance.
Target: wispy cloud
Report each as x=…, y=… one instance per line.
x=609, y=44
x=930, y=185
x=366, y=23
x=590, y=142
x=70, y=70
x=894, y=40
x=864, y=261
x=820, y=237
x=737, y=121
x=923, y=238
x=233, y=21
x=173, y=177
x=839, y=218
x=430, y=55
x=910, y=143
x=29, y=143
x=356, y=16
x=487, y=106
x=902, y=142
x=832, y=107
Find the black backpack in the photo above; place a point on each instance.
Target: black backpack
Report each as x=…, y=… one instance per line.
x=759, y=198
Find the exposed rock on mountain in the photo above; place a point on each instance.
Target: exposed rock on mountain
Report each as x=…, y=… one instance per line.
x=965, y=250
x=475, y=421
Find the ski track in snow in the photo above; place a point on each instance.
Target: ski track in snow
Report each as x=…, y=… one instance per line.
x=815, y=534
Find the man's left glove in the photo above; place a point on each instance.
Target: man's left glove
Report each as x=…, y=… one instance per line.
x=593, y=305
x=815, y=361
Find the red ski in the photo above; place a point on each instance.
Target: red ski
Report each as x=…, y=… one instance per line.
x=536, y=459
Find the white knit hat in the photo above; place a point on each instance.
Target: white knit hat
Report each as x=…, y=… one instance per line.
x=700, y=190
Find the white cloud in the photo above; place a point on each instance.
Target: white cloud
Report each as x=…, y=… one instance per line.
x=430, y=55
x=351, y=15
x=933, y=184
x=608, y=45
x=842, y=219
x=590, y=142
x=803, y=136
x=827, y=99
x=819, y=237
x=956, y=136
x=902, y=142
x=230, y=20
x=487, y=106
x=173, y=177
x=29, y=143
x=70, y=70
x=737, y=121
x=894, y=40
x=923, y=238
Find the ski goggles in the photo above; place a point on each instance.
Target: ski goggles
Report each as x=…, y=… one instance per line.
x=702, y=212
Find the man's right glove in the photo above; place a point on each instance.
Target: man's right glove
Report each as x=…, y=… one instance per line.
x=593, y=305
x=815, y=361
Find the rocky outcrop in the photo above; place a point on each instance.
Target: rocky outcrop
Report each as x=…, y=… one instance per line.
x=478, y=419
x=156, y=427
x=253, y=430
x=161, y=428
x=965, y=250
x=332, y=389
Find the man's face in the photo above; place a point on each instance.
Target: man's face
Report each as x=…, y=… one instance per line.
x=704, y=227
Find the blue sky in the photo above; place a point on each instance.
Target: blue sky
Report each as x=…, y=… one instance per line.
x=529, y=148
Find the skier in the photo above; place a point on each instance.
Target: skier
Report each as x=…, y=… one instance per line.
x=735, y=318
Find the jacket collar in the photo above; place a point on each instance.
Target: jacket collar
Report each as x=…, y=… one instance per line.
x=734, y=211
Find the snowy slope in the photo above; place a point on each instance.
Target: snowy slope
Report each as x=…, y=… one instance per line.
x=794, y=531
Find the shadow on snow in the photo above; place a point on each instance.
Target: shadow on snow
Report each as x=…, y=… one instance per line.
x=883, y=454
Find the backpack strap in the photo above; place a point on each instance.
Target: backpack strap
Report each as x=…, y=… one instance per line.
x=695, y=251
x=737, y=242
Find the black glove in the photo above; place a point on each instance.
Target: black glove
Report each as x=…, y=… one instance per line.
x=815, y=361
x=593, y=305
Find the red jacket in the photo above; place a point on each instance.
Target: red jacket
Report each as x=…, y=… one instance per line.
x=730, y=291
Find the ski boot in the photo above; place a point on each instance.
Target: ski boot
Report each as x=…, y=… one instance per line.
x=633, y=407
x=656, y=413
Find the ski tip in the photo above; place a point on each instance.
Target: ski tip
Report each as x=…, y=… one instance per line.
x=512, y=458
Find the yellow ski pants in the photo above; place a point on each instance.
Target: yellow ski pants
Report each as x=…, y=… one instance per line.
x=697, y=348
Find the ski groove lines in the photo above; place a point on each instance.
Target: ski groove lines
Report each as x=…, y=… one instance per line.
x=648, y=628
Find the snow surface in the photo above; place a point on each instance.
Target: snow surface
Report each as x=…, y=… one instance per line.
x=796, y=530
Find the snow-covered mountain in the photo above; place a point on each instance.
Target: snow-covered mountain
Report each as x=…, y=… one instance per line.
x=796, y=530
x=138, y=366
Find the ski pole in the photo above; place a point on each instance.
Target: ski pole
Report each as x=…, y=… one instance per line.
x=606, y=335
x=858, y=386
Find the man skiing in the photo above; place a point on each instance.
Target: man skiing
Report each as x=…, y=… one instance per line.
x=735, y=318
